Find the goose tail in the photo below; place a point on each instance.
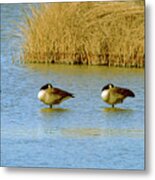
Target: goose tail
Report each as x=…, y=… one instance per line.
x=130, y=93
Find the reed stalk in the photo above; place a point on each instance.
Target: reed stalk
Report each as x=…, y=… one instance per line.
x=92, y=33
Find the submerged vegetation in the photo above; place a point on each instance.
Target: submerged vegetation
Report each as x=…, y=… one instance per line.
x=93, y=33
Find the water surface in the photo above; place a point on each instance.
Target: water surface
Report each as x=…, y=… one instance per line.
x=83, y=132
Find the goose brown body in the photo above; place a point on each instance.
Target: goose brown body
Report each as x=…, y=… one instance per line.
x=52, y=96
x=114, y=95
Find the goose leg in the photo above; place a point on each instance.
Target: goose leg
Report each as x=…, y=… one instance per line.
x=51, y=106
x=113, y=106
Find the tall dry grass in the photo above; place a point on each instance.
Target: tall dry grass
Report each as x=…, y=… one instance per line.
x=93, y=33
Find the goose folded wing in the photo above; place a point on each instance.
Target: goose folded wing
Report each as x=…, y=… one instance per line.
x=124, y=92
x=62, y=93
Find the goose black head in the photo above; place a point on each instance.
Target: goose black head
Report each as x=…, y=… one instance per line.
x=108, y=86
x=46, y=86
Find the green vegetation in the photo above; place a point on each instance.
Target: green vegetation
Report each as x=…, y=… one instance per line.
x=93, y=33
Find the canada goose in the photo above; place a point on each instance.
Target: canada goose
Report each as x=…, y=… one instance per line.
x=51, y=95
x=114, y=95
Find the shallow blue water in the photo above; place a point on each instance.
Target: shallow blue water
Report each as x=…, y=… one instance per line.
x=80, y=133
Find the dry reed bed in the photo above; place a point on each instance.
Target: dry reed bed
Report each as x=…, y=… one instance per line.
x=93, y=33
